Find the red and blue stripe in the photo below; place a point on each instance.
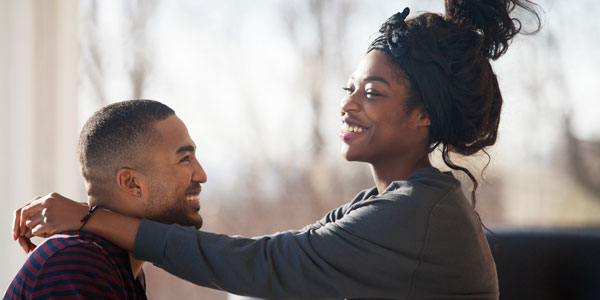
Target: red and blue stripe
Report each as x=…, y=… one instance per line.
x=77, y=265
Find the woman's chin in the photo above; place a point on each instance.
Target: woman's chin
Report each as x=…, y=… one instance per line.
x=350, y=155
x=344, y=151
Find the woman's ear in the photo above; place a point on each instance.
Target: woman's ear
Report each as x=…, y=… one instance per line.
x=422, y=117
x=129, y=181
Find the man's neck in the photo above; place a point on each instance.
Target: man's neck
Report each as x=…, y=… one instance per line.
x=136, y=265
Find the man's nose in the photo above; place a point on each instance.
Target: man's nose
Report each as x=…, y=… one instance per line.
x=199, y=174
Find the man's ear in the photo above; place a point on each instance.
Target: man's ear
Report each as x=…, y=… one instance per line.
x=129, y=181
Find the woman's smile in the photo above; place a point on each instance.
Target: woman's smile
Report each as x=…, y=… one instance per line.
x=351, y=129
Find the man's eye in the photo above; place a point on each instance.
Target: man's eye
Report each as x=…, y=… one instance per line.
x=186, y=158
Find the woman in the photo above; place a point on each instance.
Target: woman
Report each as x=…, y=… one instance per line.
x=425, y=83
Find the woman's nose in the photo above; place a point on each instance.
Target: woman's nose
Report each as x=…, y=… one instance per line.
x=349, y=103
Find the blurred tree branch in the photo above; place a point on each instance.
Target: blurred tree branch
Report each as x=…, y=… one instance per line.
x=583, y=158
x=139, y=65
x=92, y=69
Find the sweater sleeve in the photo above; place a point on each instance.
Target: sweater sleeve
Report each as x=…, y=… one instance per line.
x=370, y=251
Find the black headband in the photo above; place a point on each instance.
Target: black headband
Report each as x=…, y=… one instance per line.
x=394, y=35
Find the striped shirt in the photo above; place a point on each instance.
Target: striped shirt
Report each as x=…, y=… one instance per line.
x=77, y=265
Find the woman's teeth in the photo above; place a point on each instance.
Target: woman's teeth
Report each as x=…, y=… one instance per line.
x=192, y=197
x=348, y=128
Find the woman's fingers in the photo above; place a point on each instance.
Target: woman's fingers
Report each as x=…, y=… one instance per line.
x=52, y=214
x=42, y=230
x=45, y=216
x=16, y=221
x=32, y=246
x=25, y=241
x=26, y=244
x=27, y=212
x=23, y=244
x=16, y=228
x=34, y=221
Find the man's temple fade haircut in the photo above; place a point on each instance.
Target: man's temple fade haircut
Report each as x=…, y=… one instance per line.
x=118, y=136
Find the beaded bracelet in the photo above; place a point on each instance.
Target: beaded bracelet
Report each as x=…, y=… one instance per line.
x=87, y=216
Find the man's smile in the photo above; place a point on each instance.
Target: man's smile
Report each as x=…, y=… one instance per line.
x=194, y=200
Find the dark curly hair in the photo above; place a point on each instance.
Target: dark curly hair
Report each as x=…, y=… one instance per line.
x=446, y=59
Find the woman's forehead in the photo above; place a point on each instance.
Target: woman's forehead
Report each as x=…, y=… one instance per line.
x=374, y=64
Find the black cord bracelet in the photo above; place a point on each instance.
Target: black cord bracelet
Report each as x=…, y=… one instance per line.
x=87, y=217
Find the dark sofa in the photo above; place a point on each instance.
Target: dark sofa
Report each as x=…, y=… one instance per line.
x=547, y=264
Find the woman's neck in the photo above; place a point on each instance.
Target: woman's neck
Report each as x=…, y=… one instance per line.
x=390, y=170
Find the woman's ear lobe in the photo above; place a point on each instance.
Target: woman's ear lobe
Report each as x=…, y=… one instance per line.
x=426, y=121
x=424, y=118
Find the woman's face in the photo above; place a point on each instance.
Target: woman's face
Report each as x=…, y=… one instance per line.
x=376, y=124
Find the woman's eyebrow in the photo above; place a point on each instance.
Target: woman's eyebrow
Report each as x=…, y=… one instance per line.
x=377, y=78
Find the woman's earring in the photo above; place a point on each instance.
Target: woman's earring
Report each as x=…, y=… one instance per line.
x=139, y=193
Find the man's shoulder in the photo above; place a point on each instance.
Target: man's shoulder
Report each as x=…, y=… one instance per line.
x=62, y=243
x=80, y=264
x=80, y=251
x=80, y=238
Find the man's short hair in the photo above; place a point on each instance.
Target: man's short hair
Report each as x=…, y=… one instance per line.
x=117, y=136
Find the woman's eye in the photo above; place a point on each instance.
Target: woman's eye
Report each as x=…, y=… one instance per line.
x=348, y=89
x=372, y=93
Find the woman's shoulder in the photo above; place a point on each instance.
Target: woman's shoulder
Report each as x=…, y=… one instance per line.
x=419, y=194
x=425, y=188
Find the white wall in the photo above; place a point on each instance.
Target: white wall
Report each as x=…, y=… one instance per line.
x=38, y=111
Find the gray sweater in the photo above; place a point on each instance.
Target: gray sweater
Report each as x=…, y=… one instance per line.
x=420, y=239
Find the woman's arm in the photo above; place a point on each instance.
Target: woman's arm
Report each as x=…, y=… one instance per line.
x=114, y=227
x=54, y=213
x=369, y=253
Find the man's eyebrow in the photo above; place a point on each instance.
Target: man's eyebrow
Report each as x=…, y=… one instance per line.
x=377, y=78
x=186, y=148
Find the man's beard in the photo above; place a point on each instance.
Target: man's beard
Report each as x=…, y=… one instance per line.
x=167, y=208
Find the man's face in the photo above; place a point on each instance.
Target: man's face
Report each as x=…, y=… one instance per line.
x=173, y=188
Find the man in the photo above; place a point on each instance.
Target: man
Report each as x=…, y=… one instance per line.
x=137, y=159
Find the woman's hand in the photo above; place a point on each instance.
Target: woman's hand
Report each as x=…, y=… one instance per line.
x=45, y=216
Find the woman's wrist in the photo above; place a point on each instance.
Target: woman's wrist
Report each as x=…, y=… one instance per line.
x=87, y=217
x=116, y=228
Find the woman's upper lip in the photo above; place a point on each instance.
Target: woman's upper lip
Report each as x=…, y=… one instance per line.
x=353, y=122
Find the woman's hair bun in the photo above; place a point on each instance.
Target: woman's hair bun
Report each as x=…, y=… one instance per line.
x=491, y=19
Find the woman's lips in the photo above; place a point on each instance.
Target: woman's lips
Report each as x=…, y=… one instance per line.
x=349, y=132
x=346, y=136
